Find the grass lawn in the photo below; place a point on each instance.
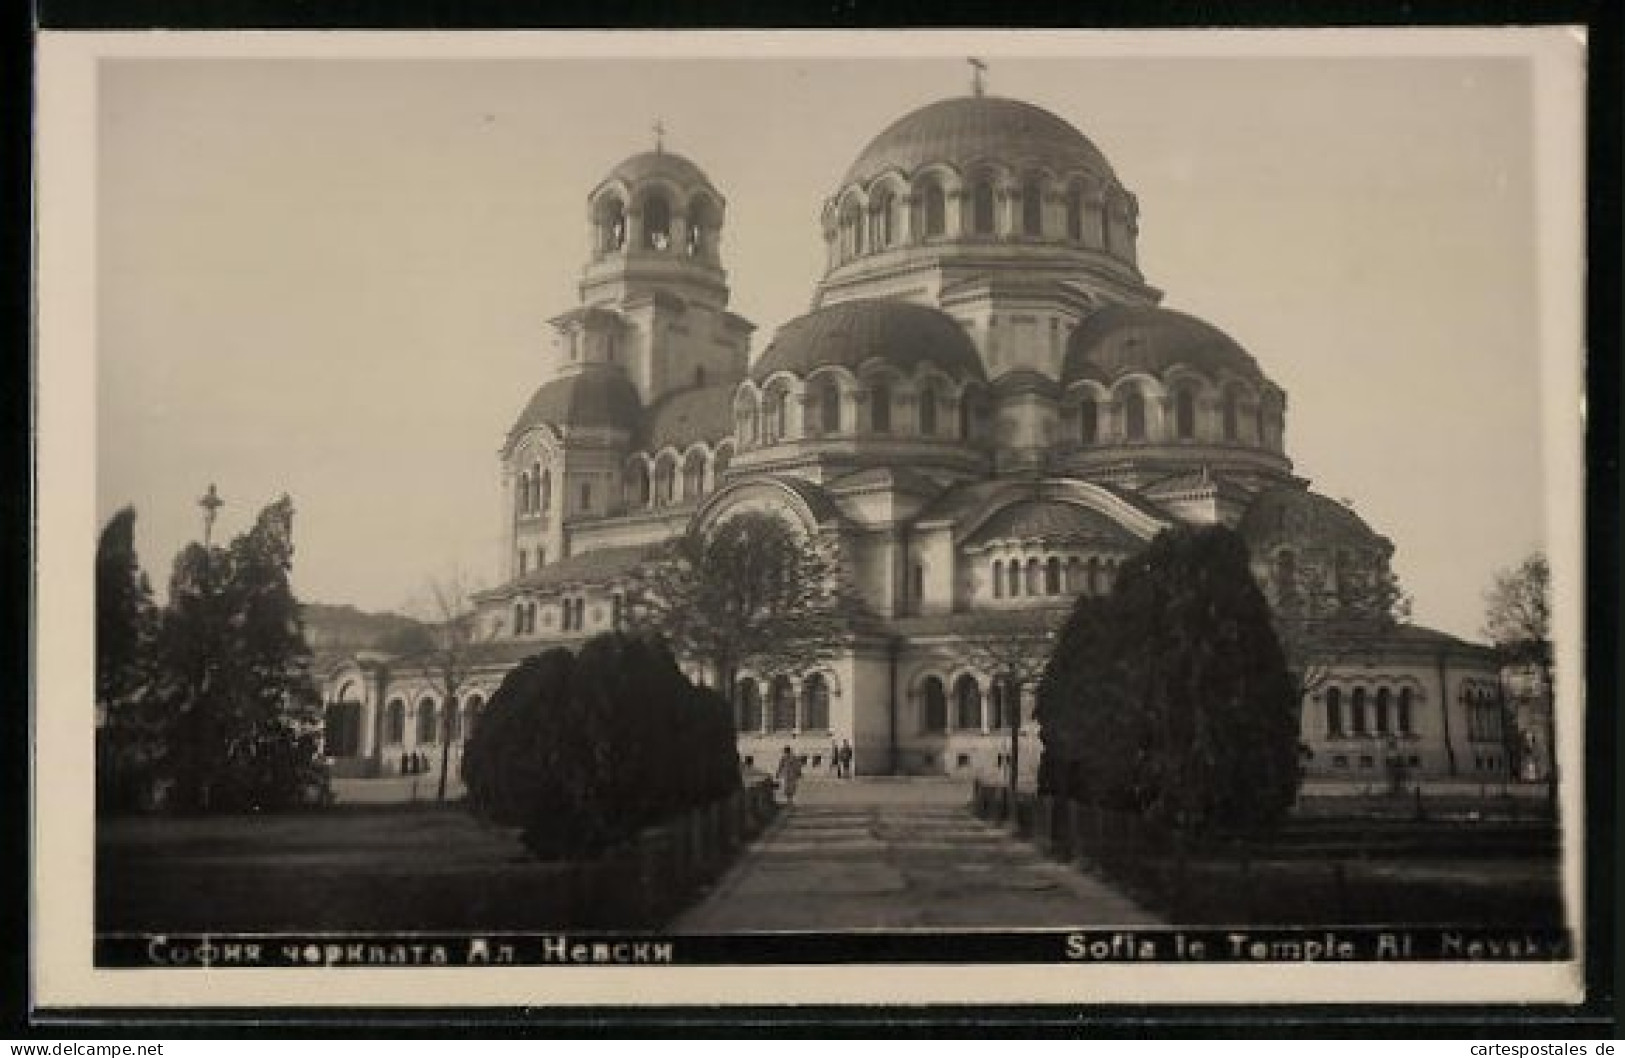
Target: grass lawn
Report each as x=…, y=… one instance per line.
x=374, y=868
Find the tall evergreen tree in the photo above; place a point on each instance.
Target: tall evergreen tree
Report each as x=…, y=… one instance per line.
x=1172, y=698
x=126, y=623
x=242, y=708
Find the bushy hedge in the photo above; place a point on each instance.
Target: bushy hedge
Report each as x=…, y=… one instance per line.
x=1170, y=698
x=581, y=750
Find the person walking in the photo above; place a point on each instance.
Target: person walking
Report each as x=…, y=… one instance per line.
x=846, y=758
x=788, y=775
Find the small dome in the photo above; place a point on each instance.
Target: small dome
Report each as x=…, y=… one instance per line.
x=978, y=128
x=663, y=164
x=852, y=333
x=592, y=398
x=1289, y=514
x=1120, y=339
x=1055, y=522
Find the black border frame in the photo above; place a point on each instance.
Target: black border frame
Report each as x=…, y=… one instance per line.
x=1598, y=1016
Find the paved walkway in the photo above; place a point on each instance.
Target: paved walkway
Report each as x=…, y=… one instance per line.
x=879, y=854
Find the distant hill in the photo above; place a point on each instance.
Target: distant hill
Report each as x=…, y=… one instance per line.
x=343, y=629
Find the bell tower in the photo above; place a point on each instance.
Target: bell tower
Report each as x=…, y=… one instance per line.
x=654, y=295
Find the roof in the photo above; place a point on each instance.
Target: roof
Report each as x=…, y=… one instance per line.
x=605, y=563
x=1290, y=513
x=598, y=396
x=851, y=333
x=662, y=163
x=981, y=622
x=1025, y=380
x=900, y=478
x=1120, y=339
x=1054, y=521
x=969, y=129
x=681, y=418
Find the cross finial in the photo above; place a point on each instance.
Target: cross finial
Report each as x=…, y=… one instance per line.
x=978, y=68
x=211, y=504
x=660, y=135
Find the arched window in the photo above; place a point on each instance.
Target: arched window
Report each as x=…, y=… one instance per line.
x=1052, y=577
x=1034, y=576
x=1185, y=414
x=656, y=222
x=998, y=579
x=967, y=704
x=544, y=498
x=395, y=723
x=880, y=407
x=1097, y=577
x=773, y=419
x=982, y=207
x=851, y=230
x=1013, y=578
x=827, y=400
x=1074, y=575
x=928, y=410
x=1360, y=726
x=881, y=221
x=933, y=706
x=428, y=722
x=1334, y=712
x=1230, y=411
x=665, y=482
x=815, y=703
x=1134, y=416
x=693, y=476
x=749, y=423
x=1074, y=212
x=1383, y=702
x=703, y=218
x=637, y=485
x=611, y=226
x=518, y=620
x=935, y=210
x=1088, y=422
x=1032, y=208
x=1403, y=720
x=919, y=582
x=523, y=492
x=783, y=703
x=749, y=705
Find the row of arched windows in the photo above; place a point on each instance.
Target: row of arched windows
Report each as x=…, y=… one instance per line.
x=828, y=412
x=657, y=225
x=970, y=711
x=1385, y=713
x=428, y=720
x=1013, y=578
x=661, y=483
x=894, y=217
x=1134, y=425
x=782, y=710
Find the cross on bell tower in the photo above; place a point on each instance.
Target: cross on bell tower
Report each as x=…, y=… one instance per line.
x=978, y=69
x=211, y=504
x=660, y=136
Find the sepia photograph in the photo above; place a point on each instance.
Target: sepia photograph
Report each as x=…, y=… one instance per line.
x=773, y=518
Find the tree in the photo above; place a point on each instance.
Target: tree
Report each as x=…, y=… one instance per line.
x=1014, y=654
x=581, y=750
x=1518, y=620
x=1327, y=618
x=753, y=592
x=1171, y=697
x=240, y=709
x=126, y=622
x=446, y=648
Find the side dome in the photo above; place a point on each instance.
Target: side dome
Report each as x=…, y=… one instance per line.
x=971, y=129
x=593, y=398
x=852, y=333
x=1292, y=515
x=1121, y=339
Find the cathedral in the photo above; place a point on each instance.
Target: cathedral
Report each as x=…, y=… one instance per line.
x=987, y=409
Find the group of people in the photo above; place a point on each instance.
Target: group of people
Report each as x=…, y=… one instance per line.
x=788, y=775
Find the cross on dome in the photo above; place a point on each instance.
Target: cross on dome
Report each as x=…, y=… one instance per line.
x=660, y=136
x=978, y=69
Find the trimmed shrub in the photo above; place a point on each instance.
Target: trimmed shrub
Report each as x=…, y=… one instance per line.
x=582, y=750
x=1171, y=697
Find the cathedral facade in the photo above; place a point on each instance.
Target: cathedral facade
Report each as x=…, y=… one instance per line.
x=986, y=410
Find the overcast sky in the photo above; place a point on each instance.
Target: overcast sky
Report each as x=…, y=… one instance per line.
x=331, y=278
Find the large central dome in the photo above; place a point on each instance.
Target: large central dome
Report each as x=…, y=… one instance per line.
x=978, y=128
